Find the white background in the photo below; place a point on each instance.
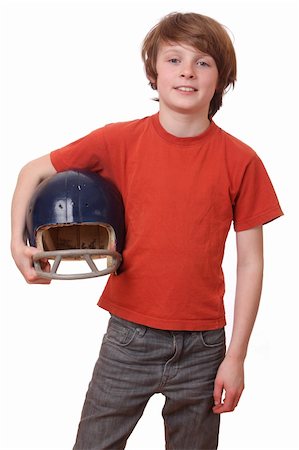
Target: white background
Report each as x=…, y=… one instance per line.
x=69, y=67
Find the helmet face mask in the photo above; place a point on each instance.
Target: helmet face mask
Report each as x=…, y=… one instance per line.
x=76, y=215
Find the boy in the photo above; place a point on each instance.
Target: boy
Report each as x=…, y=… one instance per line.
x=183, y=181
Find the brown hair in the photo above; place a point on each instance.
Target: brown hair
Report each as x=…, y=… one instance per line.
x=201, y=32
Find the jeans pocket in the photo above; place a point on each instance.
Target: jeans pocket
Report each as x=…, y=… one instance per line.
x=120, y=335
x=213, y=338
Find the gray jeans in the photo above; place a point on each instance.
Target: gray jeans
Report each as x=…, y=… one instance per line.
x=136, y=362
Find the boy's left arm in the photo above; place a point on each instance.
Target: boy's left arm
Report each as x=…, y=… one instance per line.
x=230, y=376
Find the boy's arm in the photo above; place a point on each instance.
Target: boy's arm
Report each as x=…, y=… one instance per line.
x=30, y=176
x=230, y=376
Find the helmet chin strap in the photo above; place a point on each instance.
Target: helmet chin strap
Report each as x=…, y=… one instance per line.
x=82, y=254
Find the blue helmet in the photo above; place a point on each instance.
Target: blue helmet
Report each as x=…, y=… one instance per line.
x=76, y=215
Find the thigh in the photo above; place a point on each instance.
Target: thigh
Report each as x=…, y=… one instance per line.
x=190, y=423
x=118, y=391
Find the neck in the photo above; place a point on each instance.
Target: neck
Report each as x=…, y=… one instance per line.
x=183, y=125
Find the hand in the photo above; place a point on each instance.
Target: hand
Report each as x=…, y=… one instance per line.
x=229, y=385
x=22, y=255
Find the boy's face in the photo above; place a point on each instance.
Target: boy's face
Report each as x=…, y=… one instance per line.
x=187, y=79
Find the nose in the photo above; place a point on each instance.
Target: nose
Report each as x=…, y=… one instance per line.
x=187, y=71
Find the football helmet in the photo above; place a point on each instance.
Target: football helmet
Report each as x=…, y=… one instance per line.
x=76, y=215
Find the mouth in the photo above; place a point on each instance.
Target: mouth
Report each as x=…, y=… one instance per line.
x=186, y=89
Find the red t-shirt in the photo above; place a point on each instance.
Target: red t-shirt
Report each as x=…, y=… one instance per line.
x=181, y=196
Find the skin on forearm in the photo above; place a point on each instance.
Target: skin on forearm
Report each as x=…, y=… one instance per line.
x=30, y=176
x=230, y=376
x=23, y=192
x=248, y=293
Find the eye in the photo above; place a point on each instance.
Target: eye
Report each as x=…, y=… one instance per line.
x=174, y=60
x=202, y=63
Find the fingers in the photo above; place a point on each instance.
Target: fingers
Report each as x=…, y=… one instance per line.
x=32, y=277
x=228, y=405
x=28, y=271
x=22, y=255
x=228, y=386
x=218, y=392
x=229, y=402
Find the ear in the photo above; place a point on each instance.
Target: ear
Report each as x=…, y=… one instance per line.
x=153, y=86
x=152, y=83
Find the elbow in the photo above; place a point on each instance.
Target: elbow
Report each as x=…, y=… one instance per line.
x=37, y=170
x=252, y=265
x=252, y=271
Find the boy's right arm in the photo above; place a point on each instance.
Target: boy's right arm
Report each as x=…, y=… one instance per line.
x=29, y=178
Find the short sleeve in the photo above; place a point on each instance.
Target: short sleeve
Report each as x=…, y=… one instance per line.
x=256, y=202
x=85, y=153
